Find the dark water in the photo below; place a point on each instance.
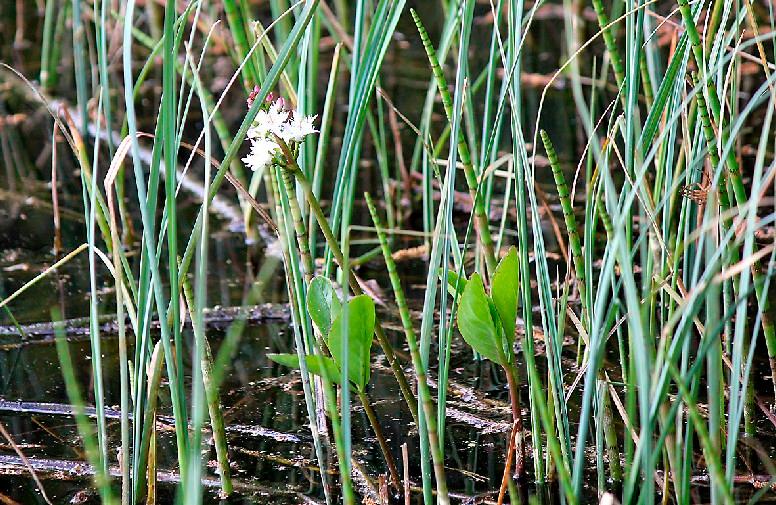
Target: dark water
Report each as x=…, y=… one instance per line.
x=278, y=461
x=270, y=444
x=271, y=449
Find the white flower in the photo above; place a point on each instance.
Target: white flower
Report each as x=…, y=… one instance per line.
x=273, y=120
x=299, y=127
x=263, y=150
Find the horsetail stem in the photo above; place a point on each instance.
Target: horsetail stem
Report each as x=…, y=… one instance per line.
x=610, y=437
x=606, y=219
x=564, y=194
x=711, y=147
x=299, y=226
x=214, y=407
x=713, y=102
x=708, y=132
x=480, y=214
x=412, y=342
x=646, y=82
x=734, y=255
x=575, y=244
x=611, y=44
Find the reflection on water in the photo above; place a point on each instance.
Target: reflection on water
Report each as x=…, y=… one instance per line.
x=270, y=443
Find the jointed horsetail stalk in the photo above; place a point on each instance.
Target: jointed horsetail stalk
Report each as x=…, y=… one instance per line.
x=564, y=194
x=708, y=132
x=285, y=176
x=646, y=83
x=606, y=219
x=215, y=410
x=575, y=244
x=610, y=437
x=412, y=342
x=711, y=147
x=481, y=217
x=299, y=226
x=713, y=102
x=734, y=177
x=734, y=254
x=611, y=44
x=331, y=240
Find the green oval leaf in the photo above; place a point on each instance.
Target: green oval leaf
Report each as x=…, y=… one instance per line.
x=289, y=360
x=453, y=280
x=318, y=365
x=476, y=322
x=323, y=367
x=361, y=327
x=323, y=304
x=504, y=291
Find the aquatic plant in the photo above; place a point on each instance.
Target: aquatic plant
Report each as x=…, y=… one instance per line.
x=600, y=237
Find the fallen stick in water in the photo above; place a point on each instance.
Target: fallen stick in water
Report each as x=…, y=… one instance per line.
x=63, y=469
x=268, y=312
x=62, y=409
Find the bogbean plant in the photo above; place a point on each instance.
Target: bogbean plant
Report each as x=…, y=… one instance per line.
x=343, y=337
x=487, y=323
x=351, y=345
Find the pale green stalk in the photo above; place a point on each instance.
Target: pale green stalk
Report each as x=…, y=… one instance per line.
x=483, y=225
x=424, y=392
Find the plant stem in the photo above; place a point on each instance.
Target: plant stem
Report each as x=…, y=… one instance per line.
x=331, y=240
x=735, y=180
x=429, y=409
x=299, y=226
x=348, y=495
x=611, y=44
x=481, y=217
x=564, y=195
x=378, y=431
x=215, y=410
x=517, y=420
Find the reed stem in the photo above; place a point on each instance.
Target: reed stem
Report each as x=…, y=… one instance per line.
x=427, y=403
x=480, y=214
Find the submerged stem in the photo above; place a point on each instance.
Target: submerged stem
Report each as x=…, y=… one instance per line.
x=378, y=431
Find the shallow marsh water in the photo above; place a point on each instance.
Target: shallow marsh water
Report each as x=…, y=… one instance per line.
x=269, y=437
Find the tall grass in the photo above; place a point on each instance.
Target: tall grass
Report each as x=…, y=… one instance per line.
x=658, y=154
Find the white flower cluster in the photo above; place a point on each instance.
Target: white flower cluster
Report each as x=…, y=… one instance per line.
x=275, y=121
